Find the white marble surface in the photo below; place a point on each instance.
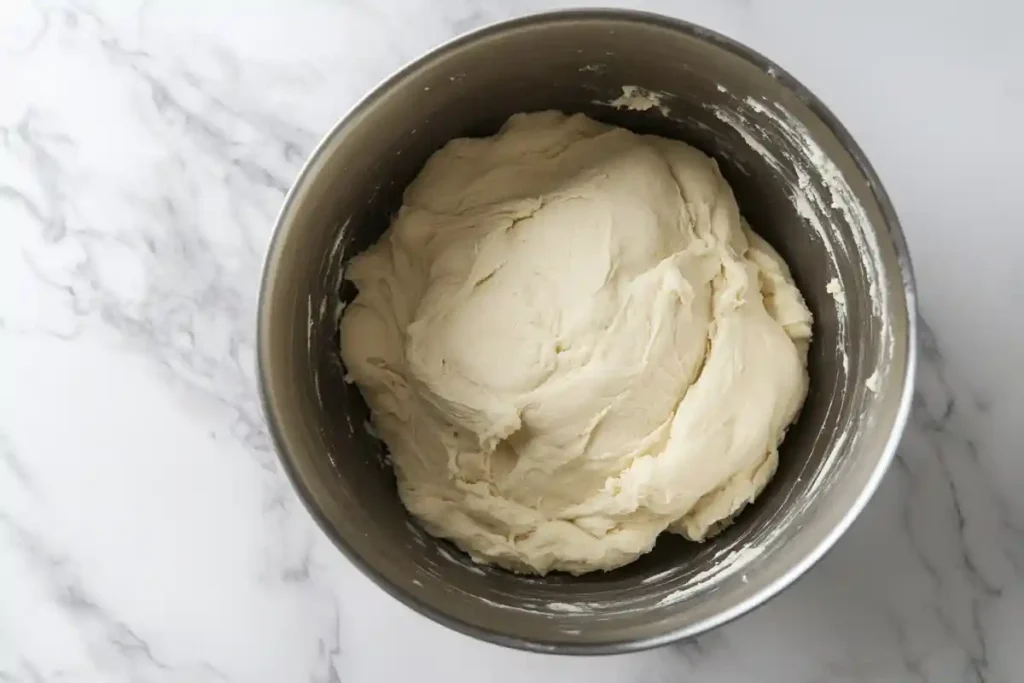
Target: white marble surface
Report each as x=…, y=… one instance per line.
x=146, y=531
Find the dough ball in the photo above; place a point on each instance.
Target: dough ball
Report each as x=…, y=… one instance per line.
x=571, y=342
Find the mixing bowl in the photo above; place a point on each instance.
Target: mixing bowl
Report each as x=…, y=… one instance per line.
x=801, y=182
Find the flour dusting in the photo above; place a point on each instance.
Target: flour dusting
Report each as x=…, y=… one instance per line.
x=635, y=98
x=566, y=607
x=872, y=382
x=835, y=288
x=732, y=563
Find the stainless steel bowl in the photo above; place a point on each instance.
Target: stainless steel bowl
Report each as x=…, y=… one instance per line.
x=802, y=183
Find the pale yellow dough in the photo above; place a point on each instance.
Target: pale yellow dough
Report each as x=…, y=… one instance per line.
x=572, y=342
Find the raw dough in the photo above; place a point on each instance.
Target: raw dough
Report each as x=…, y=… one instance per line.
x=571, y=342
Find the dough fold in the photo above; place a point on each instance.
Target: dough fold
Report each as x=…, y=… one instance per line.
x=571, y=342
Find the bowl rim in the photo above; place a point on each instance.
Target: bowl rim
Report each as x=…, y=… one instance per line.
x=798, y=568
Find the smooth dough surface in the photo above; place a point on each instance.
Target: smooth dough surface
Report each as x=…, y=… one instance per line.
x=571, y=342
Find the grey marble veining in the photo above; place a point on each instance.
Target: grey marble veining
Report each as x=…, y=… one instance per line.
x=146, y=532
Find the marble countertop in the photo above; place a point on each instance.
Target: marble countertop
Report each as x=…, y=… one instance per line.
x=146, y=530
